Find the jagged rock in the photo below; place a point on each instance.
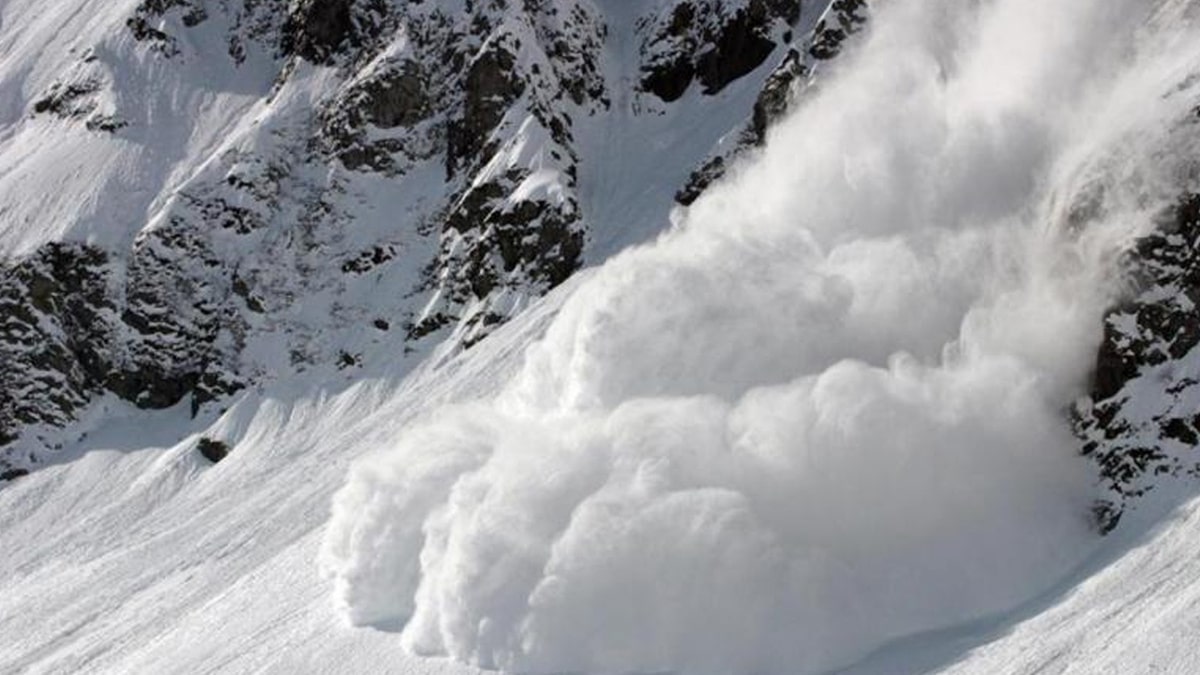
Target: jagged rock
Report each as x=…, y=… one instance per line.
x=740, y=46
x=316, y=30
x=55, y=329
x=774, y=99
x=700, y=179
x=68, y=100
x=77, y=100
x=398, y=99
x=213, y=450
x=794, y=72
x=368, y=260
x=491, y=86
x=69, y=330
x=1147, y=337
x=844, y=18
x=479, y=103
x=702, y=40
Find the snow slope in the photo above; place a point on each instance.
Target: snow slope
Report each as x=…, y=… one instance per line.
x=1129, y=608
x=817, y=425
x=60, y=178
x=134, y=554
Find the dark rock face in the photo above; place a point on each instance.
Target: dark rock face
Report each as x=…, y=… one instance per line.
x=69, y=329
x=213, y=450
x=396, y=100
x=699, y=40
x=700, y=179
x=177, y=318
x=671, y=75
x=316, y=28
x=68, y=100
x=478, y=102
x=77, y=98
x=773, y=101
x=1146, y=340
x=54, y=336
x=794, y=72
x=741, y=46
x=491, y=86
x=150, y=12
x=845, y=18
x=318, y=31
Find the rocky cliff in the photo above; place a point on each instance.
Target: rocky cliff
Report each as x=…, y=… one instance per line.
x=379, y=168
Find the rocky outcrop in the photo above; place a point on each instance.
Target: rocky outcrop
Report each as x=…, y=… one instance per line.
x=80, y=96
x=491, y=86
x=843, y=19
x=320, y=30
x=795, y=71
x=1142, y=419
x=213, y=450
x=75, y=323
x=711, y=43
x=56, y=315
x=259, y=263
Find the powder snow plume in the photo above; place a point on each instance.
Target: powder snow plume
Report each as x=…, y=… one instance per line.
x=827, y=409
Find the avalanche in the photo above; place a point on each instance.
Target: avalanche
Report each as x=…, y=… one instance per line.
x=820, y=423
x=825, y=411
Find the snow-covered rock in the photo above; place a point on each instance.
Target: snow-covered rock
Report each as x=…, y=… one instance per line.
x=312, y=175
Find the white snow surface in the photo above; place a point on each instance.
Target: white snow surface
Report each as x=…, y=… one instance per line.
x=818, y=424
x=61, y=181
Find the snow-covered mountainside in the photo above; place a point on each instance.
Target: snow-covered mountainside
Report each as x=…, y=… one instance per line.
x=205, y=196
x=696, y=336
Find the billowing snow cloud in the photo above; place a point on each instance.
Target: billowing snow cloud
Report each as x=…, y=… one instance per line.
x=828, y=409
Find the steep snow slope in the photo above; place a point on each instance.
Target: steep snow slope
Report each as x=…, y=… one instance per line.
x=823, y=413
x=134, y=554
x=202, y=196
x=1131, y=608
x=67, y=68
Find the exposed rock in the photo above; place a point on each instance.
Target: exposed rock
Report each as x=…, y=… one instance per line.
x=68, y=100
x=844, y=18
x=1146, y=340
x=700, y=179
x=491, y=86
x=213, y=450
x=706, y=41
x=55, y=332
x=397, y=99
x=740, y=46
x=316, y=30
x=69, y=329
x=775, y=97
x=477, y=103
x=795, y=72
x=368, y=260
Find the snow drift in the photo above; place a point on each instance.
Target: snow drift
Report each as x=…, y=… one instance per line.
x=825, y=410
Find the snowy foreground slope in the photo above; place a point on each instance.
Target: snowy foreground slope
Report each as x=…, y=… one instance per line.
x=909, y=388
x=136, y=556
